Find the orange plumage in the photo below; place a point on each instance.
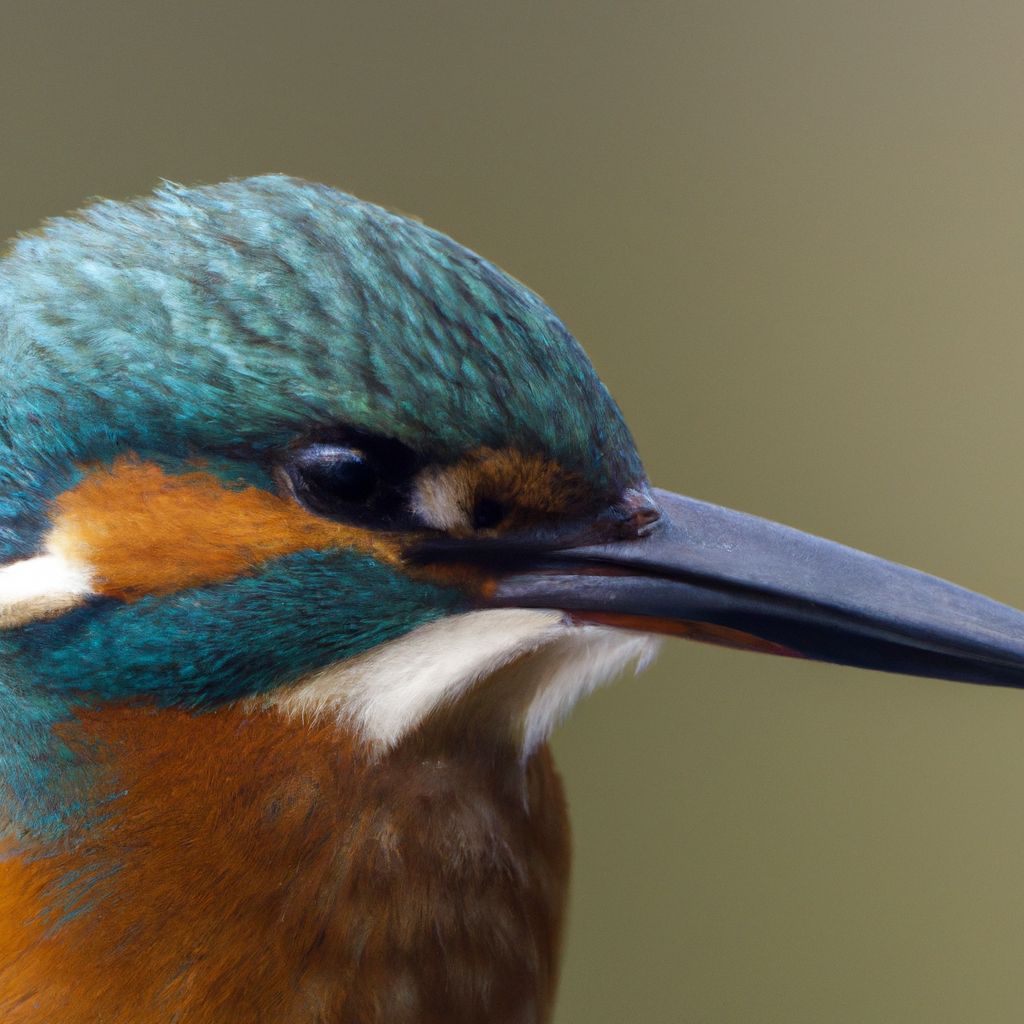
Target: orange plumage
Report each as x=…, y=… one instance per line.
x=145, y=531
x=264, y=870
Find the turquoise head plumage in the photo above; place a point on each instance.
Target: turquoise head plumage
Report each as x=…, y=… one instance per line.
x=224, y=326
x=227, y=409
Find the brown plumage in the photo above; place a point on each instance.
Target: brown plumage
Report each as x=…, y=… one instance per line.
x=271, y=873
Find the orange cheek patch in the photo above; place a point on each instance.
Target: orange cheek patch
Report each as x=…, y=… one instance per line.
x=532, y=488
x=536, y=483
x=142, y=531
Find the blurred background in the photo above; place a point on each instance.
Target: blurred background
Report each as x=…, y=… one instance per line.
x=791, y=236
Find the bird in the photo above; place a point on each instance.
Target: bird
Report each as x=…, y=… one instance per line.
x=314, y=525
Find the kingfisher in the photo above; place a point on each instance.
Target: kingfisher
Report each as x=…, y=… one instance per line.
x=313, y=525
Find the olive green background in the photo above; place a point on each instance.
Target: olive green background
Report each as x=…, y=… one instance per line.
x=791, y=235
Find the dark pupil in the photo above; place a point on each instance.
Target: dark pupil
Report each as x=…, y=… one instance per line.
x=332, y=473
x=487, y=513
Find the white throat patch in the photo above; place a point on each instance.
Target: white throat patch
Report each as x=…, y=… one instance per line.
x=549, y=662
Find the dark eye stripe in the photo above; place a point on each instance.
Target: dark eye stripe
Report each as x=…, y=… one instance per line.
x=354, y=477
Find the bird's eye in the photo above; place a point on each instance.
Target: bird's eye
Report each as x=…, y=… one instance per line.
x=327, y=476
x=354, y=477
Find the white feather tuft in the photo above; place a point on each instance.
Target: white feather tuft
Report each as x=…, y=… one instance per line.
x=41, y=588
x=567, y=671
x=440, y=499
x=549, y=661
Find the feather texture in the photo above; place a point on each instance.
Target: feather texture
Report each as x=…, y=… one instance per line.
x=252, y=868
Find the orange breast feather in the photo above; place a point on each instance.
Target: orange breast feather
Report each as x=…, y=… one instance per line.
x=259, y=870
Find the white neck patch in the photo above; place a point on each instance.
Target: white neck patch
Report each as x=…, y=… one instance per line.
x=551, y=662
x=547, y=661
x=41, y=588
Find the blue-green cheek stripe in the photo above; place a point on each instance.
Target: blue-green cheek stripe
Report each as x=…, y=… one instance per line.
x=300, y=612
x=196, y=648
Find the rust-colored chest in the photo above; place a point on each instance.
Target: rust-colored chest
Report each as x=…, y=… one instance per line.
x=259, y=870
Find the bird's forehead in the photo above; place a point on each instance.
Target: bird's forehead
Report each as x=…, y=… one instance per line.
x=245, y=313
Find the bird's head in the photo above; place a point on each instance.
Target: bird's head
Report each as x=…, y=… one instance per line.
x=264, y=441
x=236, y=419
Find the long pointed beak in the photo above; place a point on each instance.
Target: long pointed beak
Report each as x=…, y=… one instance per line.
x=718, y=575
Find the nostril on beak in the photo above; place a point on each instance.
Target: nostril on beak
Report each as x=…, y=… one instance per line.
x=639, y=512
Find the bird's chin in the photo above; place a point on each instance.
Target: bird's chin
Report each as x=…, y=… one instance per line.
x=516, y=671
x=564, y=671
